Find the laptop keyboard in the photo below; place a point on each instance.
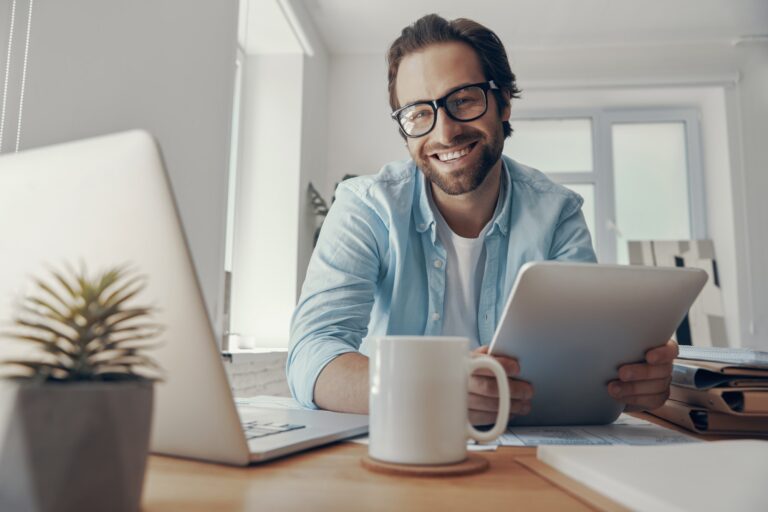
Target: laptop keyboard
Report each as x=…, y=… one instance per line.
x=256, y=428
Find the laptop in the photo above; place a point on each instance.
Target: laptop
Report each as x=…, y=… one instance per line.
x=571, y=325
x=107, y=201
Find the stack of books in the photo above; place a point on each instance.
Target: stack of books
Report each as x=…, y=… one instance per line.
x=719, y=391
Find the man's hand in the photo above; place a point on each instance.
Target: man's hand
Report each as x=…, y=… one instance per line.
x=484, y=393
x=646, y=385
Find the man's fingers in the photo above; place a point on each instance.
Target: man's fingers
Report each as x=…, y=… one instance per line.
x=486, y=386
x=484, y=392
x=645, y=402
x=485, y=404
x=483, y=418
x=621, y=390
x=482, y=403
x=510, y=365
x=663, y=354
x=645, y=386
x=642, y=371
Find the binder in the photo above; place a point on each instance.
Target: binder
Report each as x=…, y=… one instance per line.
x=737, y=401
x=703, y=421
x=709, y=374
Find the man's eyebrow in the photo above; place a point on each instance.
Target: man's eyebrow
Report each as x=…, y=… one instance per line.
x=449, y=91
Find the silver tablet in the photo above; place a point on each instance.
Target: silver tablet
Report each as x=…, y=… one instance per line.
x=571, y=325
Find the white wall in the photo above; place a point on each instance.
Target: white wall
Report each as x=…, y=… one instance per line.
x=361, y=135
x=734, y=121
x=101, y=66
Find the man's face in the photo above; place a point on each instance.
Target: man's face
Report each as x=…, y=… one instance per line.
x=455, y=156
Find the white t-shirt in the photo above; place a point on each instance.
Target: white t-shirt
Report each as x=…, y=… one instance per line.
x=464, y=269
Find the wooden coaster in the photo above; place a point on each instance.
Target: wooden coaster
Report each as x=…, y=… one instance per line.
x=472, y=464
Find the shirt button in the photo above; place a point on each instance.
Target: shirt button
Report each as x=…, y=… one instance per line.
x=438, y=263
x=435, y=316
x=422, y=226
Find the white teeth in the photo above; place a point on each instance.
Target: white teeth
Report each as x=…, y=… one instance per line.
x=453, y=155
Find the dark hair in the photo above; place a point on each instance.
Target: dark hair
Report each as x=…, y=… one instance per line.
x=433, y=29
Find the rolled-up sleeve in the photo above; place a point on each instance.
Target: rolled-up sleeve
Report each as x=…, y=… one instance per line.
x=334, y=309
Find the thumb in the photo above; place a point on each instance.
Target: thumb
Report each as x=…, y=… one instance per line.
x=481, y=350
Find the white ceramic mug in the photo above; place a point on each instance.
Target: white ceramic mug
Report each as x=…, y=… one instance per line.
x=418, y=399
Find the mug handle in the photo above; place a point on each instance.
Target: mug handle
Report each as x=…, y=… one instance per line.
x=502, y=418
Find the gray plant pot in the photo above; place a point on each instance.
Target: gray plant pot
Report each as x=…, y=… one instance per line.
x=74, y=447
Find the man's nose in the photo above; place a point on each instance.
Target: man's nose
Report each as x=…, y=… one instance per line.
x=446, y=129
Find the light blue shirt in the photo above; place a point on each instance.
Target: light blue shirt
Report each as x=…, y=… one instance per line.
x=379, y=268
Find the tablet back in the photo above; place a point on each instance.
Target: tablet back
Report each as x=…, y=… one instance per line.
x=571, y=325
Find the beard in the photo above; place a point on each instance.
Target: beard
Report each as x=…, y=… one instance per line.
x=471, y=176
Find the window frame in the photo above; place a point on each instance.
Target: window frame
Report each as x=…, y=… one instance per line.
x=601, y=177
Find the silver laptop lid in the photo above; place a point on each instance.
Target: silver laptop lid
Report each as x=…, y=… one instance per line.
x=107, y=201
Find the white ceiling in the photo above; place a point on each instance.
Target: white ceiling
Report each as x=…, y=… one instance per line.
x=368, y=26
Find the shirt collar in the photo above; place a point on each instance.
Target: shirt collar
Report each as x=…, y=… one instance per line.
x=504, y=205
x=422, y=213
x=425, y=218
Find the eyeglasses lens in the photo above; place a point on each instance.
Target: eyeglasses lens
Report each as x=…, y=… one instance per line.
x=466, y=104
x=417, y=120
x=463, y=105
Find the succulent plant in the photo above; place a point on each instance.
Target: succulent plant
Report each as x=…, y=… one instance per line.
x=85, y=328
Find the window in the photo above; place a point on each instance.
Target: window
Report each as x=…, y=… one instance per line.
x=638, y=171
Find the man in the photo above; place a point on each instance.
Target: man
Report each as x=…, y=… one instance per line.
x=432, y=245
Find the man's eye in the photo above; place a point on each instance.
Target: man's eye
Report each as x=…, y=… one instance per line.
x=418, y=114
x=463, y=102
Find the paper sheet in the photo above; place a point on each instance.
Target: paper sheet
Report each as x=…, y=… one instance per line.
x=269, y=402
x=626, y=430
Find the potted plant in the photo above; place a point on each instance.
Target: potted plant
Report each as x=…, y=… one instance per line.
x=79, y=405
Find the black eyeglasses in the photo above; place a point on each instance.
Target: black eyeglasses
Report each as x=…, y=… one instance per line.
x=464, y=104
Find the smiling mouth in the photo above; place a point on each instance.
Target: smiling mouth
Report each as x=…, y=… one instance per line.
x=454, y=154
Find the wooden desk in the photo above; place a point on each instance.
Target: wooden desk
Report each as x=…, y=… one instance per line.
x=331, y=478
